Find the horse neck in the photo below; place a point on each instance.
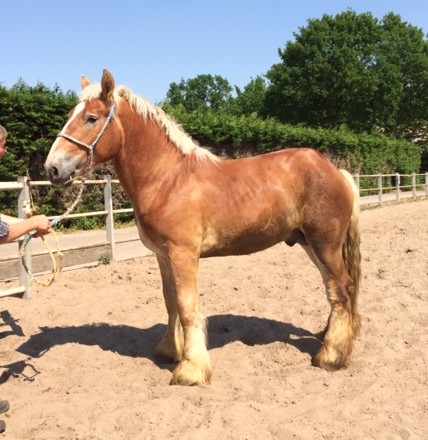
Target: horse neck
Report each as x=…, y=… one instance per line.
x=147, y=156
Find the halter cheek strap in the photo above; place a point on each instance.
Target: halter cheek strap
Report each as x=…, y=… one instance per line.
x=91, y=147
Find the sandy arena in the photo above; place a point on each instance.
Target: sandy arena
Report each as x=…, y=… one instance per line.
x=77, y=360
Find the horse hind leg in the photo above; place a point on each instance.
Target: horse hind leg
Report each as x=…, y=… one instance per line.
x=341, y=329
x=320, y=335
x=339, y=337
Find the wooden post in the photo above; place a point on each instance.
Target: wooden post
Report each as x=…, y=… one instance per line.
x=414, y=193
x=108, y=206
x=23, y=203
x=357, y=183
x=379, y=182
x=397, y=182
x=426, y=184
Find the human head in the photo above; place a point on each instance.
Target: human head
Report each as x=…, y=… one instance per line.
x=3, y=139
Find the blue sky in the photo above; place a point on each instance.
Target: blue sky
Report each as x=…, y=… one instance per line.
x=147, y=45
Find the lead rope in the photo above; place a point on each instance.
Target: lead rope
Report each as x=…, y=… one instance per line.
x=56, y=267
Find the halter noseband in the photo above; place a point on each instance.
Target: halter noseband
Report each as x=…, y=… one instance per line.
x=91, y=147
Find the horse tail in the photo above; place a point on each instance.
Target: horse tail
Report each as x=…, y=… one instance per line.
x=351, y=253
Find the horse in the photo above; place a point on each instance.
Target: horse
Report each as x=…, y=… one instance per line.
x=190, y=204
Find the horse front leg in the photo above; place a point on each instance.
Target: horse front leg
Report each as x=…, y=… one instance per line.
x=171, y=345
x=195, y=367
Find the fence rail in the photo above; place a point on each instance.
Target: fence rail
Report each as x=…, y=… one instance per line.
x=396, y=185
x=374, y=190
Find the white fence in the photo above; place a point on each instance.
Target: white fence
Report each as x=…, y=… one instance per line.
x=384, y=188
x=23, y=188
x=374, y=190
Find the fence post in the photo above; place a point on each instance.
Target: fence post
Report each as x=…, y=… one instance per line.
x=23, y=203
x=379, y=183
x=357, y=183
x=414, y=186
x=108, y=206
x=397, y=181
x=426, y=184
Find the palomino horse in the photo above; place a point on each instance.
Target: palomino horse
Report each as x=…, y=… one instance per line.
x=189, y=204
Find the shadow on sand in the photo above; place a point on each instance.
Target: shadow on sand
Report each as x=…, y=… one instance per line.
x=137, y=342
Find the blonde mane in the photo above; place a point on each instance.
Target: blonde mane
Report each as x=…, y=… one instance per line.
x=146, y=110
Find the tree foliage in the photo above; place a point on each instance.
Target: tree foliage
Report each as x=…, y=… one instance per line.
x=200, y=93
x=355, y=70
x=251, y=99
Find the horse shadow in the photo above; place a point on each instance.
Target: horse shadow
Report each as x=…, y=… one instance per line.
x=140, y=343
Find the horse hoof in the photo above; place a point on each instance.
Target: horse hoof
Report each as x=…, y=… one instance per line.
x=182, y=381
x=189, y=374
x=329, y=361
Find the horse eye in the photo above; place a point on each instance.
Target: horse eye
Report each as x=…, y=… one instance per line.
x=91, y=119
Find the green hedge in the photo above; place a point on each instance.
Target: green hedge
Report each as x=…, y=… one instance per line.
x=234, y=136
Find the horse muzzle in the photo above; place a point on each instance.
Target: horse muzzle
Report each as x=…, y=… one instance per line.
x=61, y=172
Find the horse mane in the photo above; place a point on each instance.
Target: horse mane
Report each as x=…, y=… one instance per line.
x=147, y=110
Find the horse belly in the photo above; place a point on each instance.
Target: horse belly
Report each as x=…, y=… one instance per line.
x=242, y=242
x=241, y=247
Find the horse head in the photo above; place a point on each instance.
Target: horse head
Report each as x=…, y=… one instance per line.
x=91, y=135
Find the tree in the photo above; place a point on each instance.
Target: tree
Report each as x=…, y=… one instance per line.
x=251, y=99
x=204, y=92
x=352, y=70
x=403, y=73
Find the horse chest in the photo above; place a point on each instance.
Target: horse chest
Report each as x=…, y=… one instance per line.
x=149, y=237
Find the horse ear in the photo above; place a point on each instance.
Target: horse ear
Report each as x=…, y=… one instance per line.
x=107, y=87
x=85, y=81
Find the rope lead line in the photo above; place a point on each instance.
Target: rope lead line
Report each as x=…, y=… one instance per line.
x=56, y=268
x=59, y=219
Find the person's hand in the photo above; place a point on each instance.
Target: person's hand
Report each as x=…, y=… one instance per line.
x=42, y=225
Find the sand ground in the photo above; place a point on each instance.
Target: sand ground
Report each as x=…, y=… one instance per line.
x=77, y=360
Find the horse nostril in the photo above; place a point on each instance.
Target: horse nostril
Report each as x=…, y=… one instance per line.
x=52, y=173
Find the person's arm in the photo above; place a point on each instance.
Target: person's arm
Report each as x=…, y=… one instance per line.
x=19, y=227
